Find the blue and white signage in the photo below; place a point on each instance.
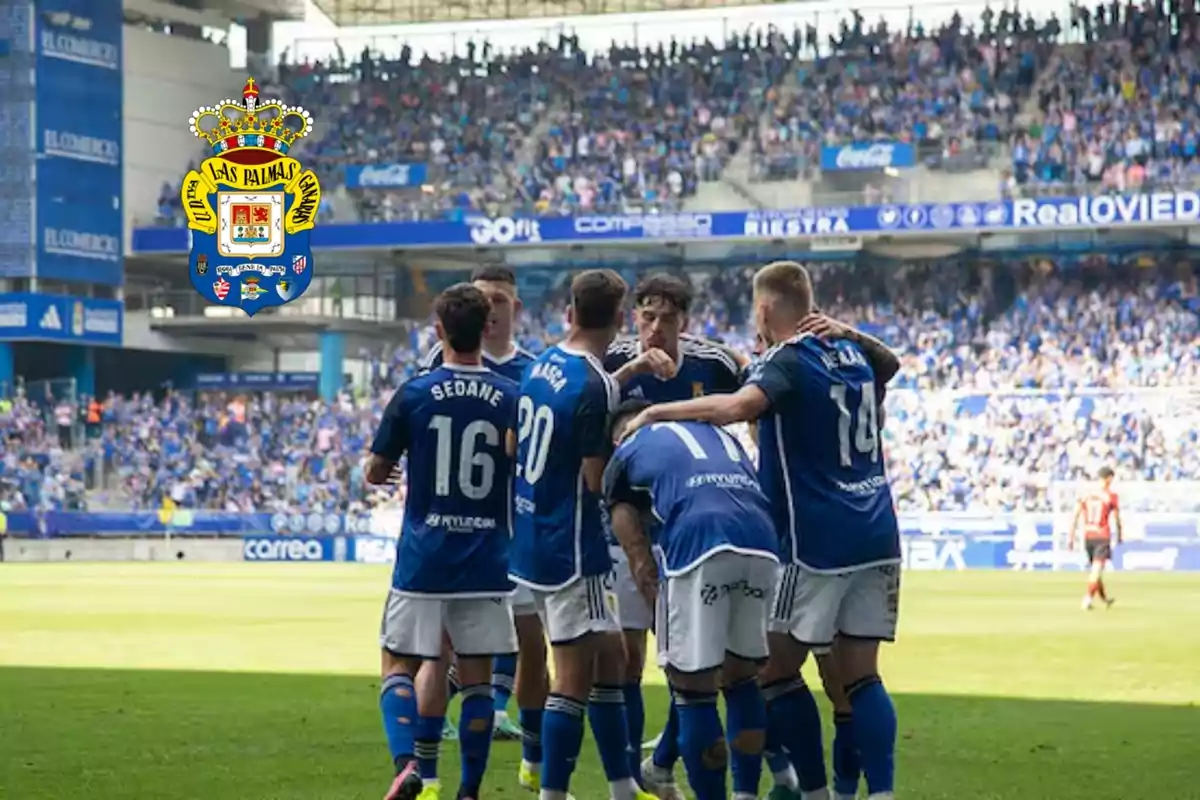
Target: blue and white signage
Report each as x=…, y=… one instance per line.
x=258, y=381
x=1163, y=209
x=384, y=176
x=868, y=156
x=57, y=318
x=79, y=141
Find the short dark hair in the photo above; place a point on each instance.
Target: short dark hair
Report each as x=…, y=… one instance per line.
x=1105, y=473
x=788, y=281
x=495, y=273
x=628, y=408
x=668, y=288
x=463, y=311
x=596, y=296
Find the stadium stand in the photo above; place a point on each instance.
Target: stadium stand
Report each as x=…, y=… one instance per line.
x=1011, y=368
x=554, y=130
x=1013, y=375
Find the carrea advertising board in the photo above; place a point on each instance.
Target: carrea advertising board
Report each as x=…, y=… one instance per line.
x=295, y=548
x=79, y=141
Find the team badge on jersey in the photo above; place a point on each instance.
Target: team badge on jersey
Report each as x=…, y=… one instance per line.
x=251, y=204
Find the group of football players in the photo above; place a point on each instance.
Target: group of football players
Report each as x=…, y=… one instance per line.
x=600, y=479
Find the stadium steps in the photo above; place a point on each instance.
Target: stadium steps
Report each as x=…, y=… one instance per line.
x=1029, y=111
x=732, y=192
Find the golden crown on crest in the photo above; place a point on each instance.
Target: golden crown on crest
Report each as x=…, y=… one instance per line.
x=251, y=125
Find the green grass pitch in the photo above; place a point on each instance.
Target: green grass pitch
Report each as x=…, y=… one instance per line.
x=259, y=682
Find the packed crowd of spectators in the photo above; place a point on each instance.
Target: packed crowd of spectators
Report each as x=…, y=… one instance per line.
x=1014, y=376
x=1120, y=114
x=553, y=129
x=38, y=466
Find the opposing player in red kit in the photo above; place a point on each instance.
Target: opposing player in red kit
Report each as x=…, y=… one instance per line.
x=1101, y=517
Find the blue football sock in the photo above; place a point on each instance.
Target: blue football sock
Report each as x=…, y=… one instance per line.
x=702, y=744
x=475, y=736
x=452, y=685
x=504, y=673
x=562, y=737
x=794, y=721
x=428, y=740
x=398, y=705
x=874, y=732
x=846, y=767
x=746, y=715
x=666, y=752
x=531, y=735
x=635, y=717
x=606, y=715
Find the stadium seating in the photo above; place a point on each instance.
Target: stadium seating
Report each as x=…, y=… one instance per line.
x=555, y=130
x=1104, y=123
x=1013, y=374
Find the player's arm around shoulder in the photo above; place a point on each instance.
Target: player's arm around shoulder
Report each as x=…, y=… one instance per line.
x=391, y=439
x=745, y=405
x=884, y=362
x=768, y=382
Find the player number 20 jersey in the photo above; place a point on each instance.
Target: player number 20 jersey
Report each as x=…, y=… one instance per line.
x=566, y=397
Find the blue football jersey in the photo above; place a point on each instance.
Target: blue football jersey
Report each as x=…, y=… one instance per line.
x=700, y=486
x=704, y=368
x=511, y=366
x=819, y=455
x=566, y=399
x=452, y=423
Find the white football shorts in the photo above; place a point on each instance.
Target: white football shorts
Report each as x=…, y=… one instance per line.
x=634, y=613
x=477, y=627
x=522, y=602
x=814, y=607
x=719, y=608
x=587, y=605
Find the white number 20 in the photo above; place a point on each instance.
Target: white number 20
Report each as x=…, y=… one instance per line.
x=470, y=458
x=536, y=425
x=866, y=427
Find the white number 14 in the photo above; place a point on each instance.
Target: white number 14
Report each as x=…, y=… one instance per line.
x=866, y=429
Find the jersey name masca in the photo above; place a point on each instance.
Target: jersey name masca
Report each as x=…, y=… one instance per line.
x=251, y=207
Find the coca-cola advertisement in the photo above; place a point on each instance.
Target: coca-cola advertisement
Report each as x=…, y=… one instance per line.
x=384, y=176
x=868, y=156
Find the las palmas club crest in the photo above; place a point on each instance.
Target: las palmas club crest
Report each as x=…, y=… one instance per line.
x=251, y=207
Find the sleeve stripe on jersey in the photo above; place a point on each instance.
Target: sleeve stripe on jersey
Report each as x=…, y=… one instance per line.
x=611, y=387
x=713, y=352
x=624, y=347
x=428, y=362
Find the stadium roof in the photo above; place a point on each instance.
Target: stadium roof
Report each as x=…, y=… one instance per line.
x=388, y=12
